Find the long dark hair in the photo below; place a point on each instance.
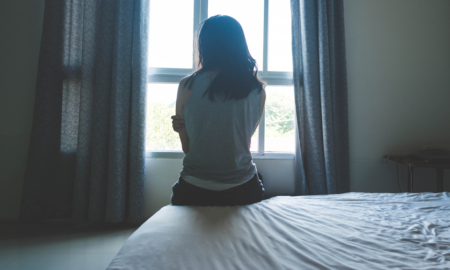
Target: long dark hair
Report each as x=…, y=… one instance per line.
x=221, y=45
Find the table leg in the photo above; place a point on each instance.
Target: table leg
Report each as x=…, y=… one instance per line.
x=439, y=180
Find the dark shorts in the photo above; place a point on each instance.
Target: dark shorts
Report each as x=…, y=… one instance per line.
x=250, y=192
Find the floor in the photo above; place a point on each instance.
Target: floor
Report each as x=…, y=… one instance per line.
x=49, y=248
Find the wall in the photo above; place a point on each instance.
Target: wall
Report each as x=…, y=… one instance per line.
x=398, y=60
x=20, y=34
x=398, y=65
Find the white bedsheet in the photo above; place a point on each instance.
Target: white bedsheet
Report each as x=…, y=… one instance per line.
x=346, y=231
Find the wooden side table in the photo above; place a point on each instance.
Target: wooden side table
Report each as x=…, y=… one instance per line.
x=412, y=163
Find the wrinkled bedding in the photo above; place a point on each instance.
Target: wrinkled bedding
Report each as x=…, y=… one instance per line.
x=345, y=231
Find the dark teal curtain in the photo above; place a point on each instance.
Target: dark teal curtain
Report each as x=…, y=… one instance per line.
x=320, y=83
x=86, y=156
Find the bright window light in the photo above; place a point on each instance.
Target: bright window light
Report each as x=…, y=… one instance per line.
x=279, y=47
x=170, y=41
x=161, y=100
x=280, y=114
x=170, y=58
x=250, y=14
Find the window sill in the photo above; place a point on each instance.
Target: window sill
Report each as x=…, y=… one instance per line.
x=256, y=156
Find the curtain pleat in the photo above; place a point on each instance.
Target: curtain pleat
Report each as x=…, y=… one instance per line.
x=99, y=173
x=318, y=47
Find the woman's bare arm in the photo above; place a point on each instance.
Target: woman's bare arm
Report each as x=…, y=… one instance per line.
x=263, y=102
x=183, y=96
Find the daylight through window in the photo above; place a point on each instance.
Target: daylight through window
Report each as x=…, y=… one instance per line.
x=267, y=27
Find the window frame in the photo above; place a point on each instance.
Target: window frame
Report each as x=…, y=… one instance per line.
x=174, y=76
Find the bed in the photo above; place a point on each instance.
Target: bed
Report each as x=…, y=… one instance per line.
x=345, y=231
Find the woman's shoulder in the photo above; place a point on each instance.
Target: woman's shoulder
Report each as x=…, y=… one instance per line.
x=259, y=89
x=186, y=84
x=188, y=81
x=185, y=89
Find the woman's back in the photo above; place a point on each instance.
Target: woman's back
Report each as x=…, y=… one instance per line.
x=219, y=137
x=216, y=118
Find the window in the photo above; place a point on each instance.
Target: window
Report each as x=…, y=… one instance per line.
x=267, y=27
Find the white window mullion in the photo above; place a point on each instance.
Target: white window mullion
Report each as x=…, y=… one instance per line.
x=200, y=14
x=197, y=20
x=204, y=10
x=262, y=124
x=266, y=36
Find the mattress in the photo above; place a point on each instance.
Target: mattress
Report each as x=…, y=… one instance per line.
x=345, y=231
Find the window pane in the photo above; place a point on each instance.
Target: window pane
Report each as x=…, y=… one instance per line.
x=250, y=14
x=170, y=39
x=279, y=132
x=161, y=100
x=280, y=48
x=255, y=141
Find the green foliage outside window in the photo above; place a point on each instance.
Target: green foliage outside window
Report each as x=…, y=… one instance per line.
x=279, y=115
x=160, y=135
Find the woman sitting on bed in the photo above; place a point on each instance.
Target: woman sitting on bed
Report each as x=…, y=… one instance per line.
x=218, y=109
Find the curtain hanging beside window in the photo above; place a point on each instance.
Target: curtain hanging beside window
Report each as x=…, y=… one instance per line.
x=320, y=84
x=86, y=156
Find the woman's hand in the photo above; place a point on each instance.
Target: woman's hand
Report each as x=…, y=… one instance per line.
x=177, y=123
